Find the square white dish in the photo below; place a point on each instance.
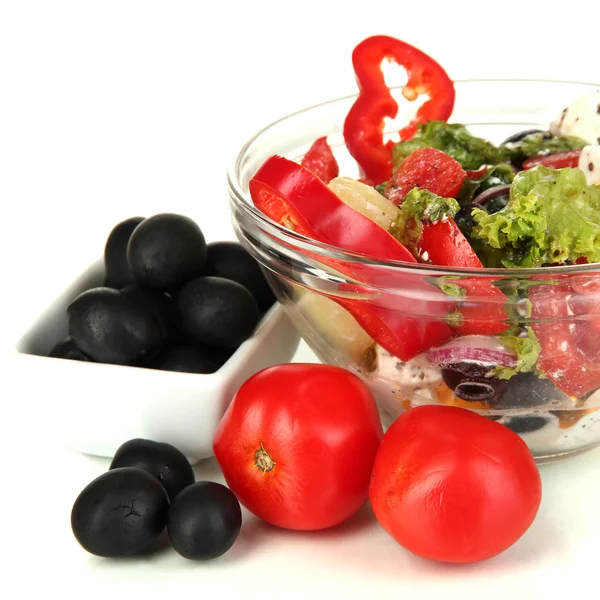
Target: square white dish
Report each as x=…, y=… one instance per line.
x=100, y=406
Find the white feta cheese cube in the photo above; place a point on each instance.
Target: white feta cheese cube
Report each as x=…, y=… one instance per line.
x=581, y=118
x=589, y=163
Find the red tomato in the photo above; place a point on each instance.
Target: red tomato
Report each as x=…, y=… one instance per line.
x=566, y=320
x=446, y=245
x=426, y=168
x=554, y=161
x=483, y=307
x=297, y=445
x=453, y=486
x=320, y=160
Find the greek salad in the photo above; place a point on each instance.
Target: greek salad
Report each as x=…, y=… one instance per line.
x=525, y=350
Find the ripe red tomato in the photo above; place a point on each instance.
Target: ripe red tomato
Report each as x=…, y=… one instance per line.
x=320, y=160
x=297, y=445
x=429, y=169
x=554, y=161
x=453, y=486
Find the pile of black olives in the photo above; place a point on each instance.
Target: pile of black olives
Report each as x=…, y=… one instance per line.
x=169, y=300
x=149, y=488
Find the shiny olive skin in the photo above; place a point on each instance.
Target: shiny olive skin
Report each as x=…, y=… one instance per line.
x=163, y=461
x=525, y=423
x=526, y=390
x=464, y=219
x=120, y=513
x=517, y=137
x=185, y=358
x=216, y=311
x=115, y=254
x=67, y=349
x=231, y=261
x=111, y=327
x=165, y=251
x=161, y=306
x=204, y=521
x=469, y=382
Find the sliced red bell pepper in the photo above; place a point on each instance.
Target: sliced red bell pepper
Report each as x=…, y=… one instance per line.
x=482, y=309
x=554, y=161
x=320, y=160
x=364, y=124
x=289, y=193
x=294, y=197
x=566, y=320
x=429, y=169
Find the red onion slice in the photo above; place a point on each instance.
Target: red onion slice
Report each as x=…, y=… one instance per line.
x=491, y=193
x=472, y=348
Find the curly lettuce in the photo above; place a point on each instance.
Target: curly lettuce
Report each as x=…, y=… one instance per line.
x=552, y=217
x=454, y=139
x=502, y=174
x=418, y=207
x=536, y=144
x=527, y=348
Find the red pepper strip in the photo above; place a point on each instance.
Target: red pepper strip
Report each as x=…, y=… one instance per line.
x=567, y=325
x=554, y=161
x=295, y=198
x=363, y=128
x=307, y=200
x=320, y=160
x=429, y=169
x=483, y=308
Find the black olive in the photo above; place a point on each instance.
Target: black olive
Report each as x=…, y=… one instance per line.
x=474, y=391
x=165, y=251
x=67, y=349
x=160, y=305
x=115, y=254
x=191, y=359
x=464, y=220
x=163, y=461
x=500, y=191
x=525, y=423
x=231, y=261
x=469, y=381
x=526, y=390
x=204, y=521
x=517, y=137
x=120, y=513
x=217, y=311
x=497, y=203
x=111, y=327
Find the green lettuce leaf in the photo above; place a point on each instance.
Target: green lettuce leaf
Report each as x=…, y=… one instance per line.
x=536, y=144
x=527, y=350
x=420, y=206
x=498, y=175
x=552, y=216
x=454, y=139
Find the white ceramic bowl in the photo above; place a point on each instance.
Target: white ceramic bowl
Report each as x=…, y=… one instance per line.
x=100, y=406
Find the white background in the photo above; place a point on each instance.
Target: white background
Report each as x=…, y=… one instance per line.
x=117, y=108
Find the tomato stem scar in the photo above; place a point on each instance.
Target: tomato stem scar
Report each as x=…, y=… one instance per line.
x=262, y=460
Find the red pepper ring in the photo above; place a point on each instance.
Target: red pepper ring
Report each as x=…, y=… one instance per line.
x=363, y=127
x=296, y=198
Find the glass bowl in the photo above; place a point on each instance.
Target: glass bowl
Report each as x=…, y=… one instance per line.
x=326, y=304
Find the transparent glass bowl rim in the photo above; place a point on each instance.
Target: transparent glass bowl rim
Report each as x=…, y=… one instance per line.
x=293, y=239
